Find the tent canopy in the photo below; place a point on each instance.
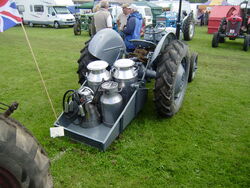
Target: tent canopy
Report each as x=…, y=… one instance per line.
x=216, y=2
x=87, y=5
x=211, y=3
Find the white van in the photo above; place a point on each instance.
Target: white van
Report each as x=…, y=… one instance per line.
x=173, y=5
x=146, y=14
x=185, y=6
x=40, y=12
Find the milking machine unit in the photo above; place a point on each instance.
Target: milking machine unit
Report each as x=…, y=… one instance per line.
x=95, y=113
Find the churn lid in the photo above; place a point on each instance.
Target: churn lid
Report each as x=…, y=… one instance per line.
x=97, y=65
x=124, y=63
x=110, y=86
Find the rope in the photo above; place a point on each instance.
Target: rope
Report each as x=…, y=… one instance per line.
x=39, y=71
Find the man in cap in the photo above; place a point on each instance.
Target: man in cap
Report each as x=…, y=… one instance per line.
x=102, y=18
x=133, y=27
x=122, y=18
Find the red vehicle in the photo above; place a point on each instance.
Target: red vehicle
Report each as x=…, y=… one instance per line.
x=235, y=26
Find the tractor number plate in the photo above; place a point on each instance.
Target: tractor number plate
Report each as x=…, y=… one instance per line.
x=231, y=30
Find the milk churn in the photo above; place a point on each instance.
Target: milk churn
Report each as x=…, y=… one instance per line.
x=111, y=102
x=125, y=73
x=97, y=74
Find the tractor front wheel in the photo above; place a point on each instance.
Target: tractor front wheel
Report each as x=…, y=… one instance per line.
x=83, y=61
x=23, y=162
x=193, y=66
x=246, y=43
x=215, y=41
x=172, y=77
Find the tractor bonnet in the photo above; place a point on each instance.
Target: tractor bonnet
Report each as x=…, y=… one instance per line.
x=107, y=45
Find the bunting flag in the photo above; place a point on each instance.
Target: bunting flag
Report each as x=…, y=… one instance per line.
x=9, y=15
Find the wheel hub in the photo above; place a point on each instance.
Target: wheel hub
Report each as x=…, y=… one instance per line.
x=194, y=68
x=8, y=180
x=180, y=81
x=191, y=30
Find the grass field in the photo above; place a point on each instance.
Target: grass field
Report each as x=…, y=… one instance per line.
x=206, y=144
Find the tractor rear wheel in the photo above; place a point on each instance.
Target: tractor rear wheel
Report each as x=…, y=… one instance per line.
x=77, y=29
x=215, y=41
x=172, y=77
x=246, y=43
x=83, y=61
x=193, y=66
x=23, y=162
x=188, y=29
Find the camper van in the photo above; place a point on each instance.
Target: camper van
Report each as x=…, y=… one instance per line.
x=146, y=14
x=43, y=12
x=173, y=5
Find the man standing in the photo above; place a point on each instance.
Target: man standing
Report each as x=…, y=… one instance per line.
x=122, y=18
x=133, y=27
x=102, y=18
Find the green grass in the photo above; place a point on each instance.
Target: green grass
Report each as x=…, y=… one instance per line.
x=206, y=144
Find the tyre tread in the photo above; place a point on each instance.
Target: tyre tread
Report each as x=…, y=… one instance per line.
x=21, y=147
x=83, y=61
x=166, y=70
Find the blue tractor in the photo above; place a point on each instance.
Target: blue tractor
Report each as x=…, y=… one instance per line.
x=168, y=18
x=167, y=22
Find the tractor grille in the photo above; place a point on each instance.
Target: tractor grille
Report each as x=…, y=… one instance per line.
x=233, y=28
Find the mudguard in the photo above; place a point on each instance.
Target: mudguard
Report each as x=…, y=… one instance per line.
x=107, y=45
x=165, y=40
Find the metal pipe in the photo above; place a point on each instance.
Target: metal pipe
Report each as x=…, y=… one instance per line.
x=178, y=24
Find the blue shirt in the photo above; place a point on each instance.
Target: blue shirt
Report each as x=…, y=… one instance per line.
x=132, y=29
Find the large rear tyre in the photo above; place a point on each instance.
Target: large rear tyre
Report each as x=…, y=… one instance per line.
x=83, y=61
x=77, y=29
x=215, y=41
x=246, y=43
x=188, y=29
x=23, y=162
x=193, y=66
x=172, y=77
